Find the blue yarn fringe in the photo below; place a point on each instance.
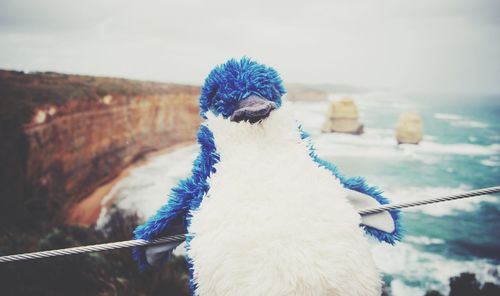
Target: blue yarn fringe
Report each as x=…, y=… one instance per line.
x=359, y=184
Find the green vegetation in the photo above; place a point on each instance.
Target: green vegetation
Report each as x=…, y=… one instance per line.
x=30, y=218
x=103, y=273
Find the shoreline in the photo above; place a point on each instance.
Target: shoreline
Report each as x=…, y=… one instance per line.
x=87, y=211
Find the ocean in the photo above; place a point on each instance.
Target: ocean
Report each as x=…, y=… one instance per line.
x=460, y=151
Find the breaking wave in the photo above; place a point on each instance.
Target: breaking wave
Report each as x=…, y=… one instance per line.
x=146, y=187
x=491, y=162
x=377, y=143
x=408, y=265
x=447, y=116
x=459, y=121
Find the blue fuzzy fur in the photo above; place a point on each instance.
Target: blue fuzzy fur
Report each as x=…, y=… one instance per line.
x=224, y=87
x=359, y=184
x=236, y=80
x=185, y=196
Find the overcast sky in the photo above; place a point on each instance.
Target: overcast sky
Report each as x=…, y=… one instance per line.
x=424, y=45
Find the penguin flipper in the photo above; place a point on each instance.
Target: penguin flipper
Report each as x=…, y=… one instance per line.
x=172, y=217
x=358, y=184
x=167, y=221
x=382, y=221
x=158, y=254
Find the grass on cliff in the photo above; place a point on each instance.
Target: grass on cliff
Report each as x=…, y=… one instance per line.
x=21, y=93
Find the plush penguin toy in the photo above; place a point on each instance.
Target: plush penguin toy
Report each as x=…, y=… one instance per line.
x=264, y=214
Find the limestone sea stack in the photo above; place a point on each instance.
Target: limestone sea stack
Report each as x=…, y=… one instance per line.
x=343, y=118
x=409, y=128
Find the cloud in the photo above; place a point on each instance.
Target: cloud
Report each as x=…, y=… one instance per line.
x=419, y=45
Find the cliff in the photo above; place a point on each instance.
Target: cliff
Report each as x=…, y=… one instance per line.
x=342, y=117
x=62, y=136
x=300, y=92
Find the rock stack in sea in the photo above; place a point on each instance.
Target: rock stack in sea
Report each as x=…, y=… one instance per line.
x=343, y=118
x=409, y=128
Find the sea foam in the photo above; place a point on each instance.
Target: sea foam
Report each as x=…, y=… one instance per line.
x=409, y=265
x=145, y=189
x=460, y=121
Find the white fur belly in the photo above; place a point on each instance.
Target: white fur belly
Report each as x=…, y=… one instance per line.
x=273, y=223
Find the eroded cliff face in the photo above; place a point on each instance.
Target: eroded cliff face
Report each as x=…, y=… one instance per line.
x=299, y=92
x=66, y=148
x=73, y=154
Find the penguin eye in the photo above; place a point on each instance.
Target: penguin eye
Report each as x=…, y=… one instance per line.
x=277, y=94
x=211, y=95
x=224, y=107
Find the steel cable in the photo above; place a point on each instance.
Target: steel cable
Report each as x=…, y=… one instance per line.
x=181, y=237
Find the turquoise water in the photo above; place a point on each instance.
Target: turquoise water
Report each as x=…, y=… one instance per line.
x=460, y=151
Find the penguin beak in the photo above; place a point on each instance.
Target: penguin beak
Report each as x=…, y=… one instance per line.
x=253, y=109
